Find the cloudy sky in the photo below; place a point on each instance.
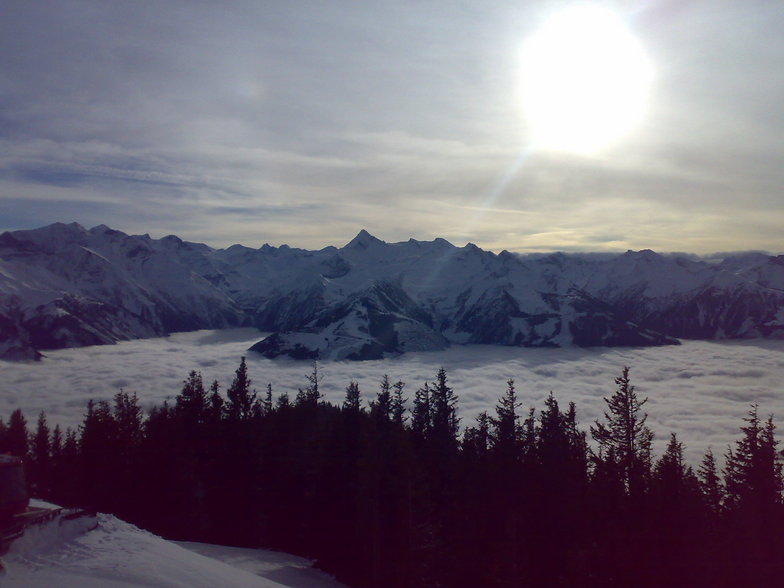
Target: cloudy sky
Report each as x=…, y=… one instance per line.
x=302, y=122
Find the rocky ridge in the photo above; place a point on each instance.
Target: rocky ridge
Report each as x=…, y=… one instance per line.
x=67, y=286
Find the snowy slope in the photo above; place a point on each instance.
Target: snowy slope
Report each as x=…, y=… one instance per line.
x=741, y=297
x=66, y=286
x=363, y=325
x=119, y=555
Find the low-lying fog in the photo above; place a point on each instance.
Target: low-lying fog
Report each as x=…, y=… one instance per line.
x=699, y=390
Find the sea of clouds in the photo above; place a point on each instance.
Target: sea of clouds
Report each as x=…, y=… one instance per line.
x=699, y=390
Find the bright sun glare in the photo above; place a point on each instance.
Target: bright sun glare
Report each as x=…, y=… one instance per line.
x=585, y=80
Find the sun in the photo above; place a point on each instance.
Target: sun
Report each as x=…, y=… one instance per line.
x=585, y=80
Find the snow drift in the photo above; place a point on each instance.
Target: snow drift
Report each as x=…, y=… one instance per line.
x=67, y=554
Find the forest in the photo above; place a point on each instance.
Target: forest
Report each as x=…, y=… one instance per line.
x=393, y=491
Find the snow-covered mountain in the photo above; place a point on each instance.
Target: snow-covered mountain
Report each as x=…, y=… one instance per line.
x=738, y=297
x=64, y=286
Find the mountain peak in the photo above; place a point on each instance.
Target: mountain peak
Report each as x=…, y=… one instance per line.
x=363, y=240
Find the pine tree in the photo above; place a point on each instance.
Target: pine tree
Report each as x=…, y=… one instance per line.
x=191, y=402
x=267, y=403
x=624, y=438
x=67, y=487
x=529, y=433
x=311, y=395
x=127, y=415
x=421, y=421
x=57, y=444
x=476, y=439
x=352, y=401
x=17, y=436
x=753, y=472
x=674, y=481
x=56, y=457
x=552, y=441
x=770, y=461
x=577, y=441
x=710, y=483
x=506, y=432
x=283, y=402
x=381, y=407
x=257, y=410
x=40, y=466
x=399, y=404
x=240, y=397
x=670, y=468
x=98, y=443
x=215, y=409
x=443, y=411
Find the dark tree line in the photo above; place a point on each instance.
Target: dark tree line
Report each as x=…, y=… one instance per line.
x=384, y=496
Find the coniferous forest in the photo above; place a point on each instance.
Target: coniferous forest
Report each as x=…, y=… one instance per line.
x=389, y=490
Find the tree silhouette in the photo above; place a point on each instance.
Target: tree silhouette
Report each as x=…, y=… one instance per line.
x=623, y=438
x=240, y=398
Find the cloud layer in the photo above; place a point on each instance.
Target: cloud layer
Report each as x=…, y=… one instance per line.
x=699, y=390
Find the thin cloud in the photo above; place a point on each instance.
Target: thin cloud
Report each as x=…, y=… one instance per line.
x=353, y=110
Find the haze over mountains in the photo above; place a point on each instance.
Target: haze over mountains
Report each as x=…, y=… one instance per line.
x=67, y=286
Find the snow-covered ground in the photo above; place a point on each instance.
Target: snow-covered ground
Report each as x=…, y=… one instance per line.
x=699, y=390
x=115, y=554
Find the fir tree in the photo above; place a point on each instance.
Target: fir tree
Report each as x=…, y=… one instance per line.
x=675, y=482
x=68, y=488
x=352, y=401
x=56, y=457
x=506, y=432
x=283, y=402
x=127, y=415
x=623, y=438
x=17, y=435
x=670, y=469
x=40, y=466
x=710, y=483
x=753, y=473
x=98, y=444
x=57, y=444
x=311, y=395
x=215, y=405
x=476, y=439
x=267, y=403
x=381, y=408
x=240, y=397
x=421, y=421
x=577, y=441
x=191, y=402
x=443, y=411
x=399, y=404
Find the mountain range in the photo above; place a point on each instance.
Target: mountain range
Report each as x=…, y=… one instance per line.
x=66, y=286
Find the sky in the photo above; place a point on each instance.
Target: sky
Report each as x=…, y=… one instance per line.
x=700, y=390
x=302, y=123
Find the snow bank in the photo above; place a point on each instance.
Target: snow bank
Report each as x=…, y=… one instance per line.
x=116, y=554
